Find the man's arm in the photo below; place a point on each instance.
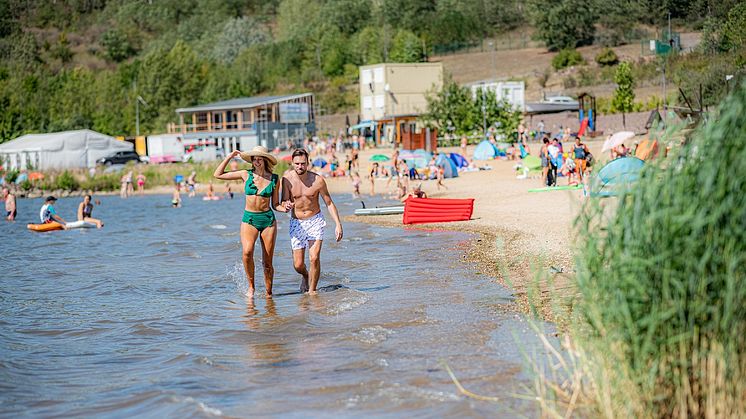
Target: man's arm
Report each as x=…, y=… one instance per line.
x=324, y=192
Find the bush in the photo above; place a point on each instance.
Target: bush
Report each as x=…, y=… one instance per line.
x=607, y=57
x=662, y=308
x=66, y=181
x=101, y=183
x=567, y=58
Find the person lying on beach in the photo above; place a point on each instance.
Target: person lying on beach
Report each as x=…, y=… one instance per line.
x=262, y=196
x=417, y=192
x=301, y=190
x=85, y=209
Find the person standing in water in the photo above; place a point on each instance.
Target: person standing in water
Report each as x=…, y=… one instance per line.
x=10, y=204
x=85, y=209
x=302, y=189
x=140, y=183
x=262, y=196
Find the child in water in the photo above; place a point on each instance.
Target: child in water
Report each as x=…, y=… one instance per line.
x=355, y=185
x=228, y=190
x=176, y=198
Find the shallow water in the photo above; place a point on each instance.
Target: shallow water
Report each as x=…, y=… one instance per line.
x=147, y=317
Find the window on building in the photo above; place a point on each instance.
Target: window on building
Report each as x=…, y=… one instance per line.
x=365, y=76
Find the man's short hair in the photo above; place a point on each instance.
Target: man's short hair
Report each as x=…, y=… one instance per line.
x=300, y=152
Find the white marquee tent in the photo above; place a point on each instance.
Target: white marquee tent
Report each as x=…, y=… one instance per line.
x=59, y=150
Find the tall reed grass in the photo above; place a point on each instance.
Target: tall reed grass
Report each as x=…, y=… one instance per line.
x=660, y=318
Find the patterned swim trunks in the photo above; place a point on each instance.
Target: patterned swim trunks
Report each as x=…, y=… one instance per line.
x=303, y=231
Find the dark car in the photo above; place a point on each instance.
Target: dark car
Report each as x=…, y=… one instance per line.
x=120, y=157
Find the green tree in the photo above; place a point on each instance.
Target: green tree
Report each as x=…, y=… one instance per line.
x=367, y=46
x=406, y=48
x=564, y=23
x=455, y=110
x=116, y=45
x=237, y=34
x=624, y=94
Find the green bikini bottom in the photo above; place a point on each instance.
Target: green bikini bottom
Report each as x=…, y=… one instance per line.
x=260, y=220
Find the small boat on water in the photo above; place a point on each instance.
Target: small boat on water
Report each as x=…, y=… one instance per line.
x=553, y=104
x=394, y=209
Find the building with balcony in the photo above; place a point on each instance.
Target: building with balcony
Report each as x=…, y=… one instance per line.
x=244, y=123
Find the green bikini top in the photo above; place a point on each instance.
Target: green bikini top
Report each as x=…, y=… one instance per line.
x=251, y=189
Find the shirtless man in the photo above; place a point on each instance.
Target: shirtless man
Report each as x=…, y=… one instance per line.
x=303, y=188
x=10, y=204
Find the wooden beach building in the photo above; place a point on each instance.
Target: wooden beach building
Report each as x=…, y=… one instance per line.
x=244, y=123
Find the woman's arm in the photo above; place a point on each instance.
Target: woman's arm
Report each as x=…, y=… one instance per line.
x=220, y=170
x=80, y=211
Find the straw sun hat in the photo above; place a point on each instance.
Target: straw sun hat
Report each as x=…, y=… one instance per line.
x=258, y=151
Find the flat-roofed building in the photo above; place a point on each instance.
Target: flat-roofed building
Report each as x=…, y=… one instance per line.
x=244, y=123
x=390, y=89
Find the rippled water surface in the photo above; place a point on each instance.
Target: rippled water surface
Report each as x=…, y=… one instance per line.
x=147, y=317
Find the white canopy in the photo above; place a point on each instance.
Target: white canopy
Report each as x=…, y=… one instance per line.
x=59, y=150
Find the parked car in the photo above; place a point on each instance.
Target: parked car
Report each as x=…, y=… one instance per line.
x=120, y=157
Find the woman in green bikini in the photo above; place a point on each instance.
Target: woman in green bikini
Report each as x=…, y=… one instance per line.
x=261, y=187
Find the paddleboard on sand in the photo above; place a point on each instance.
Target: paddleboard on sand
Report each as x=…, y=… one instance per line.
x=556, y=188
x=397, y=209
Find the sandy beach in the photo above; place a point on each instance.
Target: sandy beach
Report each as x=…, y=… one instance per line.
x=519, y=235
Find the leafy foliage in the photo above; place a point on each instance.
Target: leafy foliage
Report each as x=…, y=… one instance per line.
x=661, y=305
x=567, y=58
x=454, y=110
x=565, y=23
x=607, y=57
x=624, y=94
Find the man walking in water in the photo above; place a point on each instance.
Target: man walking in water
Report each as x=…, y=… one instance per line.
x=303, y=188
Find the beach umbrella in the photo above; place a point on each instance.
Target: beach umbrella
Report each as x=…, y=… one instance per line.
x=35, y=176
x=617, y=139
x=379, y=157
x=287, y=158
x=319, y=162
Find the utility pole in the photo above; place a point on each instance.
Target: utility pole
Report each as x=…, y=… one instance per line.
x=138, y=100
x=484, y=112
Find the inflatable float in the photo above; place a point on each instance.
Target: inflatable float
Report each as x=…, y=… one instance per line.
x=436, y=210
x=57, y=226
x=557, y=188
x=79, y=224
x=45, y=227
x=396, y=209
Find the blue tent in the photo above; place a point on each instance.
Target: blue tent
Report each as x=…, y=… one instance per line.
x=319, y=162
x=485, y=151
x=450, y=169
x=616, y=175
x=459, y=160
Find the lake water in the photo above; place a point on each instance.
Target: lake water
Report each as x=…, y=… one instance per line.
x=146, y=317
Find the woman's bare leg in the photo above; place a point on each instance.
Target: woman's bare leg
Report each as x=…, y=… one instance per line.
x=268, y=238
x=248, y=239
